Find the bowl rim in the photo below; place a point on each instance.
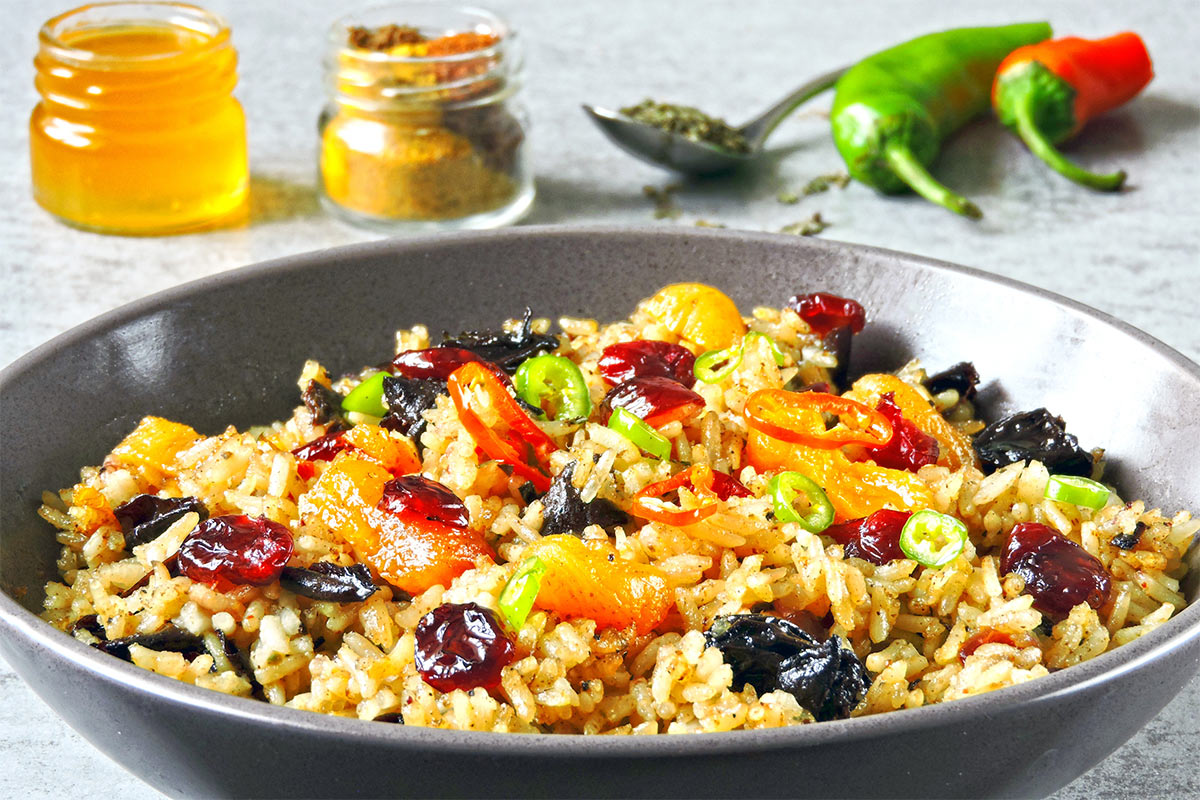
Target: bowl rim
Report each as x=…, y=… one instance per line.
x=15, y=621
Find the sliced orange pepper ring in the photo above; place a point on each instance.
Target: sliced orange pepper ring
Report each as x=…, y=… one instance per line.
x=954, y=447
x=464, y=385
x=795, y=417
x=648, y=503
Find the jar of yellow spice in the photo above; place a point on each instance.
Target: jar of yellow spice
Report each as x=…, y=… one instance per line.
x=424, y=129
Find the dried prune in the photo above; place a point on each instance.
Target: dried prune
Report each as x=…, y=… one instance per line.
x=506, y=349
x=432, y=362
x=1057, y=572
x=1128, y=541
x=647, y=358
x=145, y=517
x=171, y=639
x=656, y=400
x=331, y=582
x=962, y=378
x=875, y=538
x=839, y=342
x=825, y=312
x=407, y=400
x=235, y=549
x=324, y=404
x=91, y=624
x=910, y=448
x=565, y=512
x=1037, y=435
x=770, y=653
x=241, y=665
x=416, y=494
x=461, y=646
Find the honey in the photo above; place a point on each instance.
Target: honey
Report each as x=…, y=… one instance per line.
x=137, y=131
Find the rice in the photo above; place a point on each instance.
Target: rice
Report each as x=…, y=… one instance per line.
x=914, y=628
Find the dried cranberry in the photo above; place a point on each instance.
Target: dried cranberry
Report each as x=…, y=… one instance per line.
x=875, y=538
x=323, y=448
x=432, y=362
x=416, y=494
x=656, y=400
x=461, y=647
x=145, y=517
x=980, y=638
x=727, y=486
x=235, y=549
x=646, y=358
x=1057, y=572
x=825, y=312
x=910, y=447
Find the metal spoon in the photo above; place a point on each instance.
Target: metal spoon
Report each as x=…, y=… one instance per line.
x=674, y=151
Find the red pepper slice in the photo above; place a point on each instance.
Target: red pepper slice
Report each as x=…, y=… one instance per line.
x=463, y=384
x=648, y=503
x=796, y=418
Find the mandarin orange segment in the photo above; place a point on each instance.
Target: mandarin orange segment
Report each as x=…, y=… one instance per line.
x=344, y=499
x=588, y=579
x=954, y=447
x=396, y=453
x=855, y=489
x=415, y=553
x=91, y=510
x=698, y=313
x=153, y=446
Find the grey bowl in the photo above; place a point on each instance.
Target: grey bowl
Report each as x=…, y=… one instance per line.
x=228, y=349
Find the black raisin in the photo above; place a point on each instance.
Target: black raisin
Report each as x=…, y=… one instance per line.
x=771, y=653
x=324, y=404
x=331, y=582
x=1128, y=541
x=506, y=349
x=565, y=512
x=962, y=378
x=1032, y=435
x=408, y=399
x=145, y=517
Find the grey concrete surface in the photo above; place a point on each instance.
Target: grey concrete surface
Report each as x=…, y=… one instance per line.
x=1135, y=255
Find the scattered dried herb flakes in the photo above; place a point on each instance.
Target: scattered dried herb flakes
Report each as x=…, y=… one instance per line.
x=788, y=198
x=822, y=183
x=664, y=200
x=690, y=123
x=704, y=223
x=808, y=227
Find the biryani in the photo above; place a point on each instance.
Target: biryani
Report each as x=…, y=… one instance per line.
x=685, y=521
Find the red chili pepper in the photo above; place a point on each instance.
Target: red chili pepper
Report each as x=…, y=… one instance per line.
x=524, y=434
x=648, y=503
x=796, y=418
x=1047, y=92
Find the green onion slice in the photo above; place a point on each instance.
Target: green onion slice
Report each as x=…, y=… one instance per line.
x=717, y=365
x=632, y=427
x=555, y=385
x=933, y=539
x=776, y=352
x=517, y=596
x=1077, y=491
x=367, y=397
x=785, y=486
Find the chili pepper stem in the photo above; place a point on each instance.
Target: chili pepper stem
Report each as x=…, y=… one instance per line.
x=1041, y=147
x=911, y=171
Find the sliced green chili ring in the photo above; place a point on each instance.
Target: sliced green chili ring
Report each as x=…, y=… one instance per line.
x=1077, y=491
x=555, y=379
x=933, y=539
x=367, y=397
x=517, y=596
x=776, y=352
x=717, y=365
x=785, y=486
x=633, y=428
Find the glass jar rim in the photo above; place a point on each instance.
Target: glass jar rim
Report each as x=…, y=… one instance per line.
x=203, y=21
x=339, y=32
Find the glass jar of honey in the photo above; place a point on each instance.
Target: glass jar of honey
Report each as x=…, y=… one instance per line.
x=424, y=129
x=137, y=131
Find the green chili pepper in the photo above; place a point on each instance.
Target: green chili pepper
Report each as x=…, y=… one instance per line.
x=517, y=596
x=776, y=352
x=933, y=539
x=1077, y=491
x=785, y=486
x=555, y=385
x=367, y=397
x=633, y=428
x=717, y=365
x=893, y=109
